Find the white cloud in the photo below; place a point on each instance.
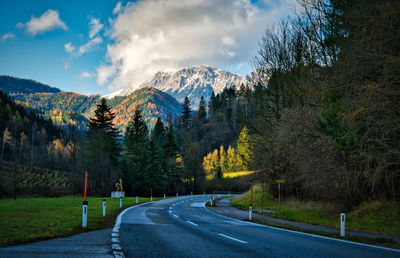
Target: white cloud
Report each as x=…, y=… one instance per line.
x=151, y=36
x=7, y=36
x=85, y=75
x=95, y=27
x=89, y=45
x=49, y=20
x=94, y=39
x=69, y=48
x=104, y=72
x=117, y=8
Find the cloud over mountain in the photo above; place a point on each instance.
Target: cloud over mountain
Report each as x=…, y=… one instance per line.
x=151, y=36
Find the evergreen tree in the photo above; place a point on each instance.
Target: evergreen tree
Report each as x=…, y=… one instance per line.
x=202, y=112
x=215, y=161
x=173, y=161
x=243, y=149
x=103, y=149
x=223, y=162
x=156, y=173
x=186, y=115
x=231, y=159
x=159, y=132
x=137, y=153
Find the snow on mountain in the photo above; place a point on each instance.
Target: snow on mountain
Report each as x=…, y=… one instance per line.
x=194, y=82
x=114, y=94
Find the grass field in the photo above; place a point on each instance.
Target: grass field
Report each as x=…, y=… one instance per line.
x=237, y=174
x=377, y=216
x=30, y=219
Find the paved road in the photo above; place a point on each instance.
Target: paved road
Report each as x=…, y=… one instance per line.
x=183, y=227
x=91, y=244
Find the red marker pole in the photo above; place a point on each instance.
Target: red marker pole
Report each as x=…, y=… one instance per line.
x=151, y=194
x=251, y=204
x=85, y=205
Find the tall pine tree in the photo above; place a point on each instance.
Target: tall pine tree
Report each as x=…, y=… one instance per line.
x=103, y=149
x=137, y=154
x=186, y=117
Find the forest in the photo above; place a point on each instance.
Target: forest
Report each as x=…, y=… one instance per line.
x=321, y=112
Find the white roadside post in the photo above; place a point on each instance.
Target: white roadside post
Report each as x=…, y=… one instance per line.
x=164, y=196
x=280, y=181
x=120, y=202
x=104, y=207
x=342, y=224
x=85, y=204
x=84, y=214
x=251, y=204
x=151, y=194
x=211, y=199
x=191, y=193
x=250, y=211
x=137, y=199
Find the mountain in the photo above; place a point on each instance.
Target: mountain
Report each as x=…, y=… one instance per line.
x=16, y=86
x=194, y=82
x=62, y=107
x=153, y=103
x=62, y=101
x=72, y=108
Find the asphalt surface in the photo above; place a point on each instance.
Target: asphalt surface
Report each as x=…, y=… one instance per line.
x=183, y=227
x=91, y=244
x=225, y=208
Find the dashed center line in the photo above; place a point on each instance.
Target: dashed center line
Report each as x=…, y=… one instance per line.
x=232, y=238
x=176, y=216
x=188, y=221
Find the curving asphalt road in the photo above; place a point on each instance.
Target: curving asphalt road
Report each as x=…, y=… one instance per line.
x=183, y=227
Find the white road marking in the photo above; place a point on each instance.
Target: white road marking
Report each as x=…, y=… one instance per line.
x=114, y=240
x=114, y=234
x=301, y=233
x=176, y=216
x=232, y=238
x=170, y=211
x=188, y=221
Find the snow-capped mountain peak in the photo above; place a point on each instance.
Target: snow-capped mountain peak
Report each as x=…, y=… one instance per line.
x=194, y=82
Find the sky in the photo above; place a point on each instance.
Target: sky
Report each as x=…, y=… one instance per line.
x=100, y=46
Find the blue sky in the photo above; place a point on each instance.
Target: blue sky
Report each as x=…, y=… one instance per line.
x=93, y=47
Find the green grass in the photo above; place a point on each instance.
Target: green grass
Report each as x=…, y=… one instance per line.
x=237, y=174
x=377, y=217
x=31, y=219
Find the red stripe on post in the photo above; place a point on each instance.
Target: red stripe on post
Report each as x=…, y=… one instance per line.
x=251, y=196
x=85, y=186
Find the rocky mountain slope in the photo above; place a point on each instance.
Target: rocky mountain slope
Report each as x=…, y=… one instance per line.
x=194, y=82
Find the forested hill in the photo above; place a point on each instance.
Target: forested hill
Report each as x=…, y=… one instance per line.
x=153, y=103
x=62, y=101
x=16, y=86
x=20, y=122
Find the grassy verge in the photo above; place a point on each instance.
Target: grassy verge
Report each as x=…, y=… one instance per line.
x=237, y=174
x=31, y=219
x=376, y=217
x=366, y=240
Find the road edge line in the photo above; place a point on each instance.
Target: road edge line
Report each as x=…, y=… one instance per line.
x=303, y=233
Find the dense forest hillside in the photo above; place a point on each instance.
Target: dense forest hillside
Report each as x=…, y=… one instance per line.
x=16, y=86
x=61, y=101
x=152, y=102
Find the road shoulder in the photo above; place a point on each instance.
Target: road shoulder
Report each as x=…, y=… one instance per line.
x=224, y=207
